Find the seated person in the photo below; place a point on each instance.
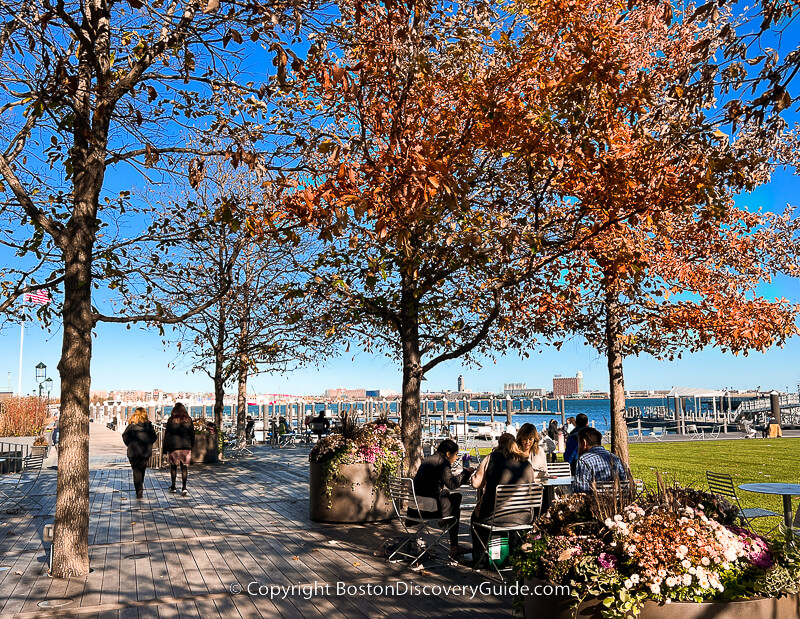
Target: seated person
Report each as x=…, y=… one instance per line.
x=594, y=462
x=433, y=484
x=506, y=465
x=283, y=425
x=249, y=429
x=320, y=425
x=571, y=451
x=529, y=442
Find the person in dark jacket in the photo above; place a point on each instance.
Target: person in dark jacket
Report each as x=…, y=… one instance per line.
x=507, y=465
x=139, y=436
x=178, y=443
x=571, y=448
x=433, y=484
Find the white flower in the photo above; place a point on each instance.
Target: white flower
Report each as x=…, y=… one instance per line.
x=655, y=589
x=687, y=579
x=634, y=579
x=618, y=518
x=671, y=581
x=704, y=561
x=628, y=584
x=686, y=564
x=662, y=572
x=608, y=522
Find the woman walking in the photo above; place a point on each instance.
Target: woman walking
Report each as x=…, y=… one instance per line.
x=139, y=436
x=178, y=443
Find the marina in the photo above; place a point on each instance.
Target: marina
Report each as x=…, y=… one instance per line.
x=704, y=409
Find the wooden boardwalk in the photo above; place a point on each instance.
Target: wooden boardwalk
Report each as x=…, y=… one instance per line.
x=244, y=524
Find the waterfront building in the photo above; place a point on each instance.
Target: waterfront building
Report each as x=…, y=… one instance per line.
x=521, y=390
x=567, y=386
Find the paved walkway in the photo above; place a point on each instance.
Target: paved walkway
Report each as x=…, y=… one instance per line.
x=244, y=522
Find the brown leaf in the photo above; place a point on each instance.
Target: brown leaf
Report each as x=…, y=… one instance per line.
x=212, y=6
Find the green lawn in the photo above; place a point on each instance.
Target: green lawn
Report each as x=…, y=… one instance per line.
x=747, y=461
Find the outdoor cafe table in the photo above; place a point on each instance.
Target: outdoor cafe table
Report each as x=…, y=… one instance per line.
x=787, y=491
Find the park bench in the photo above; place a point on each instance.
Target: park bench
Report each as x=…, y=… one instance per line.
x=16, y=486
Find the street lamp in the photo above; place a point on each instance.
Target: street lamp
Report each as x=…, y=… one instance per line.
x=48, y=387
x=41, y=374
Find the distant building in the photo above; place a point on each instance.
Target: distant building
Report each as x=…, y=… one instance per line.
x=461, y=383
x=381, y=393
x=355, y=394
x=567, y=385
x=521, y=390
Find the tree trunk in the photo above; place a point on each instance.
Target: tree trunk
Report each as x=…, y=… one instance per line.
x=71, y=534
x=410, y=421
x=219, y=371
x=241, y=408
x=619, y=427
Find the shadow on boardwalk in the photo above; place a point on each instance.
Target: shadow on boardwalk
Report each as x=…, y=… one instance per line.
x=245, y=523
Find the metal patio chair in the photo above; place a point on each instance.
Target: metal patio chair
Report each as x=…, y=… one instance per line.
x=721, y=484
x=415, y=523
x=522, y=500
x=16, y=486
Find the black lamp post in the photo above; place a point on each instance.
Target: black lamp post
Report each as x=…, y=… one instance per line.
x=48, y=387
x=41, y=375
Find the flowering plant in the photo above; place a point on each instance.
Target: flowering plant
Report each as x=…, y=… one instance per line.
x=376, y=442
x=663, y=546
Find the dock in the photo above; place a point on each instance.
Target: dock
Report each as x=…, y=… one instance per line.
x=244, y=525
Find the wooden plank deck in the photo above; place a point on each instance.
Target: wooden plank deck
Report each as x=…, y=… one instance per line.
x=243, y=522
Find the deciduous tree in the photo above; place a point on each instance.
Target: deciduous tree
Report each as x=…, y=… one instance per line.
x=90, y=85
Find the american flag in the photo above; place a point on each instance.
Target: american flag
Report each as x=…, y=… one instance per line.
x=40, y=297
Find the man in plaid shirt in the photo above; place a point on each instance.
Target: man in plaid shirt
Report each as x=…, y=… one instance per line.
x=594, y=462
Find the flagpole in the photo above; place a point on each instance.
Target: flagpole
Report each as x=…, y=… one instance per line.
x=21, y=338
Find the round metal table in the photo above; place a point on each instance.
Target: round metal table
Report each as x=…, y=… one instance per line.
x=787, y=491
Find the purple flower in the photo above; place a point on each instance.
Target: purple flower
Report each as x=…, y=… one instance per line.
x=607, y=560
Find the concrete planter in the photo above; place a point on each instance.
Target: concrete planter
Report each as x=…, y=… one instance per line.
x=205, y=449
x=560, y=607
x=39, y=450
x=357, y=499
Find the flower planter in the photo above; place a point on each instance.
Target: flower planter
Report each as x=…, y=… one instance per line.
x=205, y=449
x=39, y=450
x=560, y=607
x=356, y=500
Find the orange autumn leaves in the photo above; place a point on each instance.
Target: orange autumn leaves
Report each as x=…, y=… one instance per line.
x=576, y=126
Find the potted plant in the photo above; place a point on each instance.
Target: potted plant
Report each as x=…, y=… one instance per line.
x=40, y=446
x=205, y=448
x=675, y=552
x=349, y=471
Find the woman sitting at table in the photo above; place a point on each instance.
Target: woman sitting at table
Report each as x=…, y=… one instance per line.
x=506, y=465
x=529, y=442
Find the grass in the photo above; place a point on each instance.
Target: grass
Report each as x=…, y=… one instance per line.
x=746, y=461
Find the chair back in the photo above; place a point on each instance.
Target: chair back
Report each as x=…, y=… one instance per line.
x=32, y=465
x=401, y=491
x=517, y=499
x=559, y=469
x=721, y=484
x=317, y=427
